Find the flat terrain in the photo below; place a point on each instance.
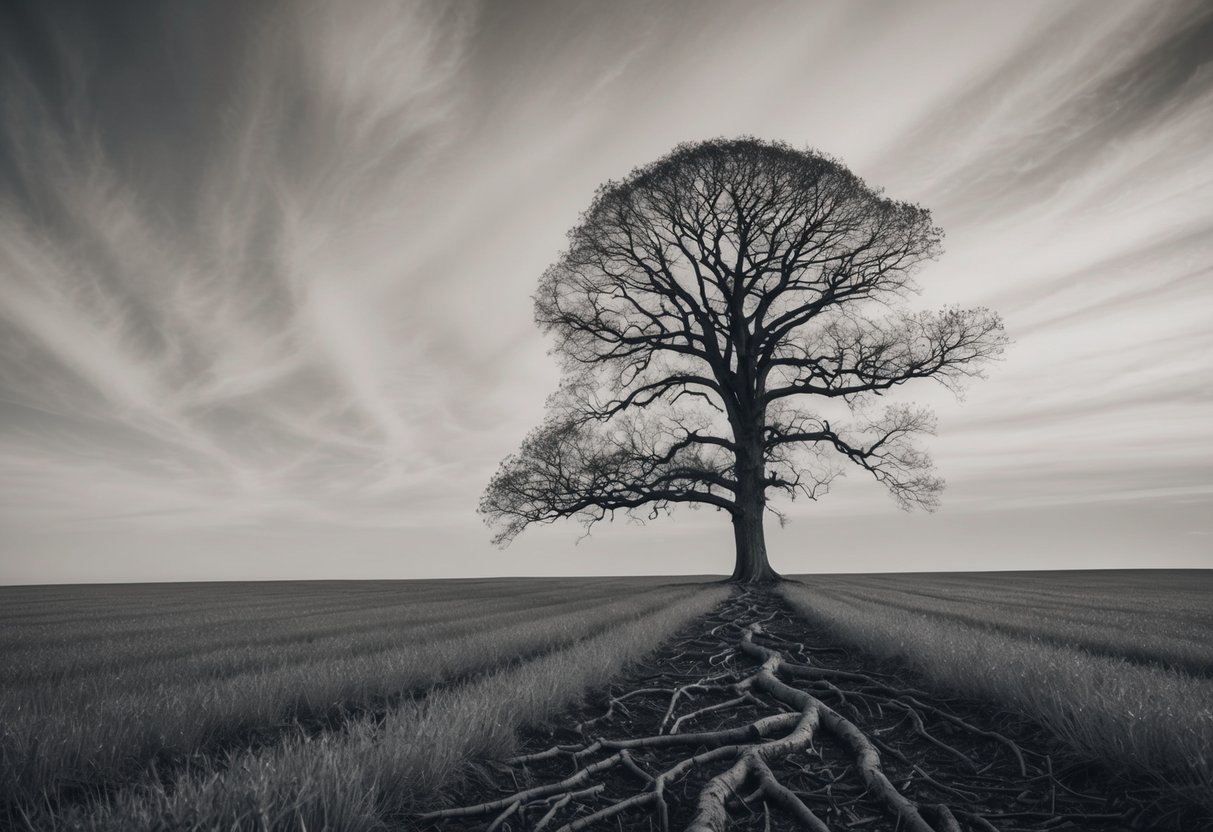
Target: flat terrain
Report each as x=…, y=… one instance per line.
x=1018, y=701
x=755, y=719
x=1118, y=663
x=1159, y=617
x=138, y=695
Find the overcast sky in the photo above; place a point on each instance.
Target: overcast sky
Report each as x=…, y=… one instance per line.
x=265, y=271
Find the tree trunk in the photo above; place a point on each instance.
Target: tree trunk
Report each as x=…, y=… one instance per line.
x=752, y=566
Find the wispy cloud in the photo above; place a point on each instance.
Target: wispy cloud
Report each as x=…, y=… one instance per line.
x=226, y=307
x=268, y=266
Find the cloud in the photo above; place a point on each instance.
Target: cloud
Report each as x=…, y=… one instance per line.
x=225, y=299
x=267, y=267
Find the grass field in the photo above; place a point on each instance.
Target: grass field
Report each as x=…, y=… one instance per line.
x=1118, y=664
x=346, y=705
x=135, y=686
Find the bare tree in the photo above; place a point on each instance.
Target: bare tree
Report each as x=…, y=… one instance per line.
x=703, y=303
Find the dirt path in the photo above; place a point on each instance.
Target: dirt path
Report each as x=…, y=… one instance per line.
x=751, y=720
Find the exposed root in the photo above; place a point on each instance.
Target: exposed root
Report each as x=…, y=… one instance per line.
x=719, y=706
x=782, y=754
x=973, y=729
x=615, y=702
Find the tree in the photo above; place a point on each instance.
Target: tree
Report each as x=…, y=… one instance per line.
x=702, y=304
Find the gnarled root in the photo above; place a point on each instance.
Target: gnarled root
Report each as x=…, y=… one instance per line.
x=780, y=710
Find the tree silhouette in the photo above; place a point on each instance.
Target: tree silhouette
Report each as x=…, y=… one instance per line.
x=702, y=304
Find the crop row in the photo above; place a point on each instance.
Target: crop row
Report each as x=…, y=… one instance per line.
x=372, y=773
x=1135, y=619
x=98, y=729
x=1152, y=720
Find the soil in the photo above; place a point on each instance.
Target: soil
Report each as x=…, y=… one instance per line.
x=783, y=728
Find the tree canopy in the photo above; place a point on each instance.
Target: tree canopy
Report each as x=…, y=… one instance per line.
x=704, y=303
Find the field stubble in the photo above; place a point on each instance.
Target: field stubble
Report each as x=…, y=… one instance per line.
x=759, y=721
x=1118, y=665
x=342, y=706
x=222, y=689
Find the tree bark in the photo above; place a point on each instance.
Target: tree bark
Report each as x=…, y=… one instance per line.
x=752, y=566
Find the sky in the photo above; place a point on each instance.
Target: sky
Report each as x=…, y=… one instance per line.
x=265, y=272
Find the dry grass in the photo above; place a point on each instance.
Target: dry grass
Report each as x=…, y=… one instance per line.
x=1155, y=617
x=1155, y=720
x=102, y=684
x=372, y=772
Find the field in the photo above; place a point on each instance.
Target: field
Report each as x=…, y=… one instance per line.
x=139, y=686
x=382, y=705
x=1162, y=618
x=1119, y=664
